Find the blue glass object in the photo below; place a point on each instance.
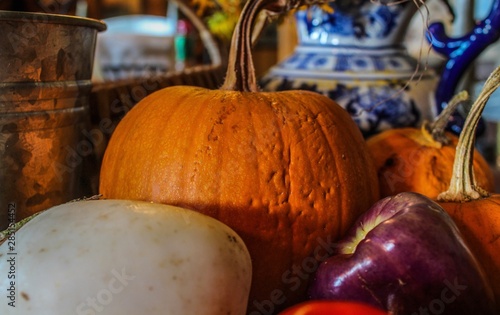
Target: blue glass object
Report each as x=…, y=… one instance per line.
x=461, y=53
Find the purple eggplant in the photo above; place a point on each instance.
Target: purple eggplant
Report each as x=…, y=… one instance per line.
x=405, y=255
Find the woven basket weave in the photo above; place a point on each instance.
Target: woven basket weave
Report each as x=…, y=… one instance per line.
x=110, y=101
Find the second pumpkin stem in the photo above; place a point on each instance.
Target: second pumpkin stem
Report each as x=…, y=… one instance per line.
x=463, y=186
x=436, y=129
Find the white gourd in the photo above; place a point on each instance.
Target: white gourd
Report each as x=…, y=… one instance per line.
x=117, y=257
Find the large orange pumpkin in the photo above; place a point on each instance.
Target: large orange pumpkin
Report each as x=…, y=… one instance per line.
x=288, y=171
x=475, y=210
x=421, y=159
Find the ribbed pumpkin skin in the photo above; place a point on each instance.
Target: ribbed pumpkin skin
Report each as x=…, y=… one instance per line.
x=283, y=169
x=479, y=222
x=407, y=161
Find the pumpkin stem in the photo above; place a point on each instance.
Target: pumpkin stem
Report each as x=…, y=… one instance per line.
x=463, y=186
x=240, y=74
x=436, y=129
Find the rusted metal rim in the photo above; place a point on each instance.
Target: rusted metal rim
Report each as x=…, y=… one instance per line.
x=42, y=120
x=49, y=18
x=40, y=96
x=42, y=90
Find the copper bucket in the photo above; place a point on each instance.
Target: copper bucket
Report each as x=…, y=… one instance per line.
x=46, y=62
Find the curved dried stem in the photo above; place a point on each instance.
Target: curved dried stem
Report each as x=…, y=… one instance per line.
x=463, y=186
x=436, y=129
x=240, y=75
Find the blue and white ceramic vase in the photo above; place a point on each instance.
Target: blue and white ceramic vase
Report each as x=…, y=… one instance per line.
x=356, y=56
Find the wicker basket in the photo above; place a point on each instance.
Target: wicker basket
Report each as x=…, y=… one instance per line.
x=110, y=101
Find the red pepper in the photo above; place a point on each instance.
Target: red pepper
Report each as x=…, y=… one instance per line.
x=332, y=308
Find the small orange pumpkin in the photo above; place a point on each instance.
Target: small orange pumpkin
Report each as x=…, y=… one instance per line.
x=288, y=171
x=475, y=210
x=421, y=159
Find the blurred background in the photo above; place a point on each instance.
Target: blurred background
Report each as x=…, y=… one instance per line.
x=152, y=37
x=278, y=39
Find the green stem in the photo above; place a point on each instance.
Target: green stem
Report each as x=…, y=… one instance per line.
x=463, y=186
x=13, y=228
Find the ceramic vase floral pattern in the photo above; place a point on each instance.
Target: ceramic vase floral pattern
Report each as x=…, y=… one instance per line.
x=356, y=57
